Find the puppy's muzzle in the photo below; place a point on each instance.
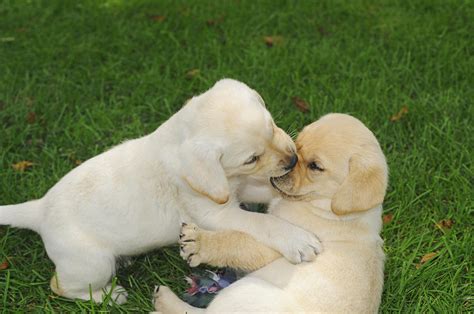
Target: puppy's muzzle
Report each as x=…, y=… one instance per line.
x=292, y=164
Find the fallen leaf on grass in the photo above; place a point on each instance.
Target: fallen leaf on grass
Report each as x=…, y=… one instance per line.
x=4, y=265
x=444, y=224
x=271, y=41
x=387, y=218
x=400, y=114
x=31, y=117
x=78, y=162
x=22, y=165
x=427, y=257
x=192, y=73
x=158, y=18
x=300, y=104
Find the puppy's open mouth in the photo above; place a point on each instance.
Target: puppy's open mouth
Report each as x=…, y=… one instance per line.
x=283, y=193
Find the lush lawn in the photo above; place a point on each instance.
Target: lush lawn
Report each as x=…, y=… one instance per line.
x=77, y=78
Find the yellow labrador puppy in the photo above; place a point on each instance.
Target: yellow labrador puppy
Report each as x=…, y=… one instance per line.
x=134, y=197
x=336, y=191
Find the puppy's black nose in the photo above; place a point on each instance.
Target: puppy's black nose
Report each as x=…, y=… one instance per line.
x=292, y=164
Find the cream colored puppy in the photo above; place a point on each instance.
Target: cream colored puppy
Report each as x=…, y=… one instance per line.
x=336, y=191
x=134, y=197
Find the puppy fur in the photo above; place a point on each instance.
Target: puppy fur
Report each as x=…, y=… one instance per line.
x=335, y=191
x=134, y=197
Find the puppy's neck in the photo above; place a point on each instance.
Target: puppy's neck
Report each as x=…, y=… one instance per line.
x=322, y=208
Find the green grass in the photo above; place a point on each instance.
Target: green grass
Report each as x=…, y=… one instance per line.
x=95, y=73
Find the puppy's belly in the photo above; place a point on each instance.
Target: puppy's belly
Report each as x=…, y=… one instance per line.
x=158, y=228
x=341, y=278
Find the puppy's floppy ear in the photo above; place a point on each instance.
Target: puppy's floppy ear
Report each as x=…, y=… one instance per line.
x=202, y=170
x=364, y=187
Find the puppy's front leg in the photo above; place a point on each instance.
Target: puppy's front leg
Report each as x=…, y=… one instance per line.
x=226, y=248
x=296, y=244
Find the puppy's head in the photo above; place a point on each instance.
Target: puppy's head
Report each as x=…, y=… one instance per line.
x=341, y=160
x=230, y=133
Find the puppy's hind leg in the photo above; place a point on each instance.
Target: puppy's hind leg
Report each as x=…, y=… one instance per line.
x=254, y=295
x=85, y=273
x=166, y=302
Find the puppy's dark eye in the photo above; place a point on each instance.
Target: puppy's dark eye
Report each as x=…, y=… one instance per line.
x=314, y=166
x=252, y=160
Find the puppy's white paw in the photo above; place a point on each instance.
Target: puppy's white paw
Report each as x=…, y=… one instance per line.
x=165, y=301
x=157, y=298
x=300, y=246
x=119, y=294
x=189, y=243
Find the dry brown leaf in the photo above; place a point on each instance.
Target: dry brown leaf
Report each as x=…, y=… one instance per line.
x=158, y=18
x=400, y=114
x=4, y=265
x=22, y=165
x=427, y=257
x=300, y=104
x=444, y=224
x=271, y=41
x=31, y=117
x=387, y=218
x=192, y=73
x=78, y=162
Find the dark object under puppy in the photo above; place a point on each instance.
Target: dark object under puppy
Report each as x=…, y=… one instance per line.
x=206, y=284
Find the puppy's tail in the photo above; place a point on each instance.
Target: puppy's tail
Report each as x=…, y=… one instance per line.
x=24, y=215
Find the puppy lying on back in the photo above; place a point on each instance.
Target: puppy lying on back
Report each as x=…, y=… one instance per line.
x=133, y=198
x=336, y=191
